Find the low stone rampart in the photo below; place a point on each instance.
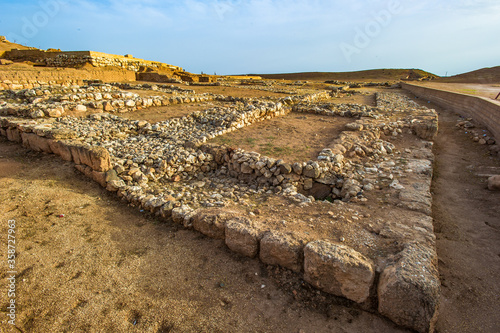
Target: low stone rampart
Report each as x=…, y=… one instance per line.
x=481, y=109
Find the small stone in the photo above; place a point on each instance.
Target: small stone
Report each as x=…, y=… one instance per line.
x=80, y=108
x=494, y=183
x=354, y=127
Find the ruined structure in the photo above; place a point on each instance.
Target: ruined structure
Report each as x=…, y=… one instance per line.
x=373, y=243
x=145, y=70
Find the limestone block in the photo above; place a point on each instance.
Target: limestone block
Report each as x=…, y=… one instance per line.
x=408, y=290
x=246, y=169
x=242, y=237
x=311, y=171
x=285, y=168
x=337, y=269
x=178, y=214
x=95, y=157
x=417, y=197
x=115, y=185
x=75, y=154
x=282, y=249
x=80, y=108
x=211, y=223
x=166, y=209
x=100, y=159
x=60, y=148
x=99, y=177
x=426, y=130
x=354, y=127
x=35, y=142
x=13, y=134
x=55, y=112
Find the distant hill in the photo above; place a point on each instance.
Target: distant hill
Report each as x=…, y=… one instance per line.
x=484, y=75
x=5, y=45
x=367, y=75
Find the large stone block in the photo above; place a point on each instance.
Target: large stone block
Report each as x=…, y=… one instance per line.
x=212, y=223
x=99, y=177
x=242, y=236
x=282, y=249
x=100, y=159
x=13, y=134
x=408, y=290
x=179, y=214
x=427, y=129
x=35, y=142
x=337, y=269
x=61, y=149
x=75, y=153
x=95, y=157
x=86, y=170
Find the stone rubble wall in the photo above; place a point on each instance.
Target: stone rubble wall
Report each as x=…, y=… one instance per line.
x=481, y=109
x=43, y=102
x=93, y=161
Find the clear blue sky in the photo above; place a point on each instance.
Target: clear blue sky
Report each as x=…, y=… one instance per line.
x=268, y=36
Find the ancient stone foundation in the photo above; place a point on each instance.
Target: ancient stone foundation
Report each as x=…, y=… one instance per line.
x=374, y=245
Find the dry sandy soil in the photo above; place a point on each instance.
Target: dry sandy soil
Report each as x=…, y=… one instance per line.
x=106, y=267
x=294, y=137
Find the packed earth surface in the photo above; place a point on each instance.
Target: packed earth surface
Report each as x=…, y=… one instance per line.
x=315, y=207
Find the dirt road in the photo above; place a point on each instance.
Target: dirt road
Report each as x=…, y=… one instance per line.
x=467, y=223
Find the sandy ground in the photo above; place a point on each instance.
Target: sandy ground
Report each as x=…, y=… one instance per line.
x=294, y=137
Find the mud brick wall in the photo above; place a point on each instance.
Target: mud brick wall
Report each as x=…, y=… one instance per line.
x=483, y=110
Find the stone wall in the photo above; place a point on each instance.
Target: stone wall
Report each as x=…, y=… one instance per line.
x=20, y=79
x=483, y=110
x=156, y=77
x=78, y=58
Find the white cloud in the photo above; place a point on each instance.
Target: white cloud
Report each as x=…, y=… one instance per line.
x=284, y=35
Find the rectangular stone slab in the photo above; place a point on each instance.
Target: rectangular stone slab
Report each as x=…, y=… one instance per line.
x=339, y=270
